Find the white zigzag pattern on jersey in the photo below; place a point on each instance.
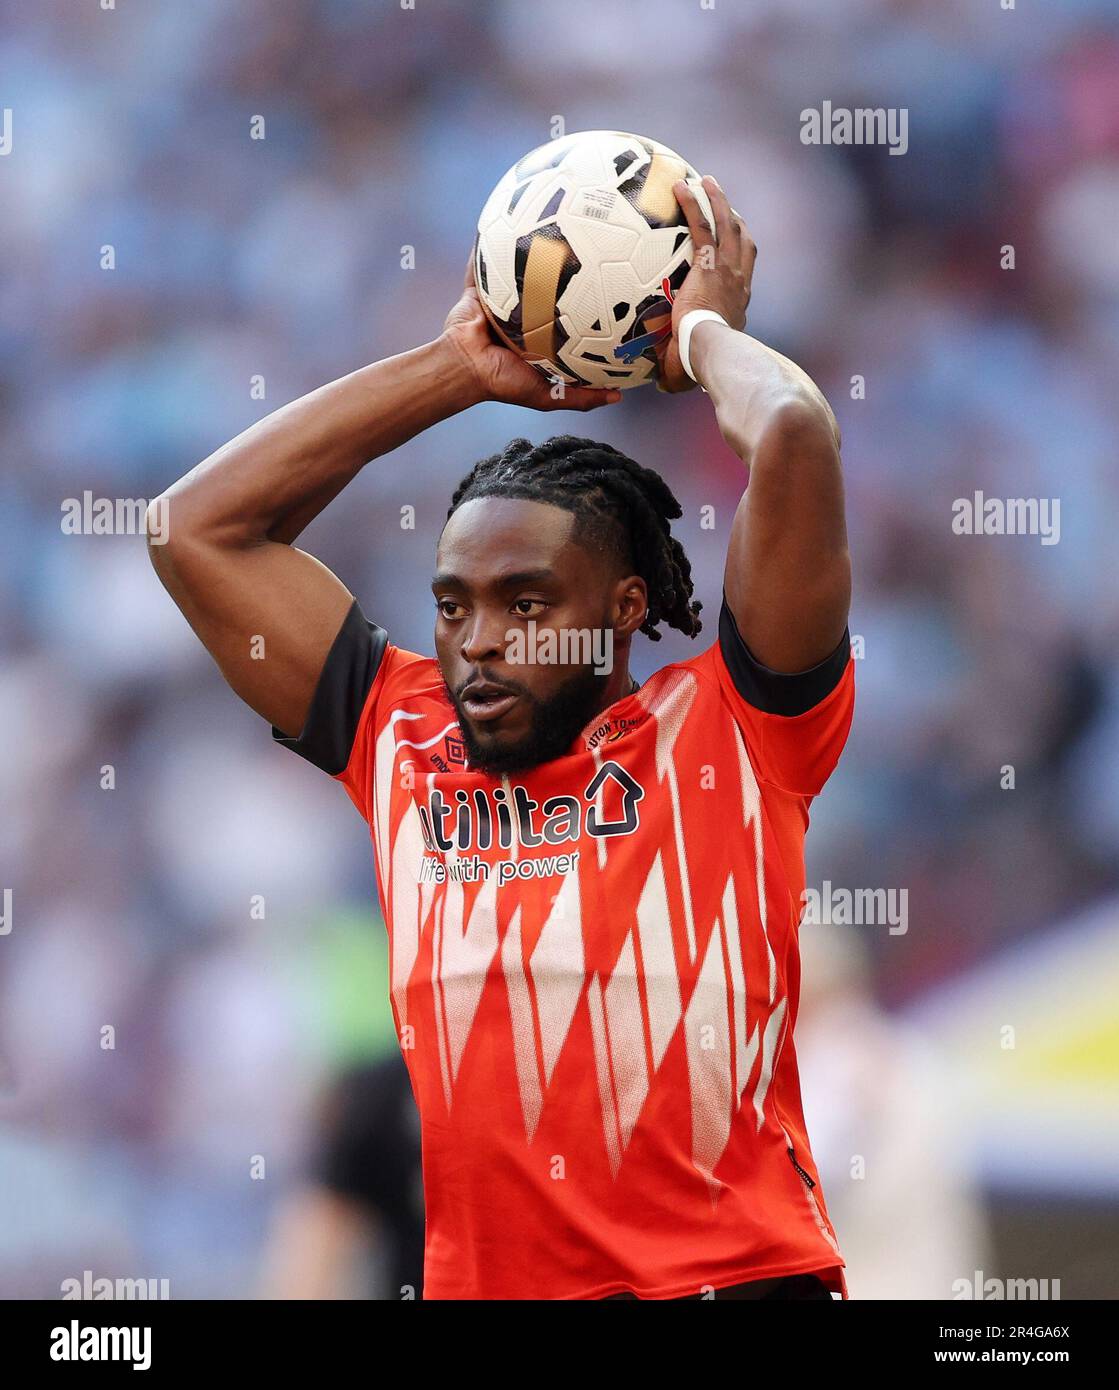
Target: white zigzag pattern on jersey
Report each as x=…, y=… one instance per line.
x=464, y=951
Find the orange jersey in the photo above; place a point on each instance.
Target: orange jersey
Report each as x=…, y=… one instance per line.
x=595, y=970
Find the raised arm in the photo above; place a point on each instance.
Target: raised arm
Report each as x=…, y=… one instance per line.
x=788, y=571
x=220, y=538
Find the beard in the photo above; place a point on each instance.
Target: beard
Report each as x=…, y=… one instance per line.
x=554, y=725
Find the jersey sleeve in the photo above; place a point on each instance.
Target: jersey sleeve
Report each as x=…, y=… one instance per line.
x=341, y=727
x=795, y=725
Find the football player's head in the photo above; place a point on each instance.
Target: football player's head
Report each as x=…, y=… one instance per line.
x=551, y=558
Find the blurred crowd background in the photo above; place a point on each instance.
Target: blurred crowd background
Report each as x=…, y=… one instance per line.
x=145, y=811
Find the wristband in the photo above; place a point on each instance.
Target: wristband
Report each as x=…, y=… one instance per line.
x=684, y=334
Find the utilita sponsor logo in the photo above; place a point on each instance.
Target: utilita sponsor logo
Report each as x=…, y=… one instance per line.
x=495, y=818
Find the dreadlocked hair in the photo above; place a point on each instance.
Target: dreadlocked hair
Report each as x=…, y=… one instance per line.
x=618, y=505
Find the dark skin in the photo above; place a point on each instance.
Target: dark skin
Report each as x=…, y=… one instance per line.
x=488, y=549
x=230, y=564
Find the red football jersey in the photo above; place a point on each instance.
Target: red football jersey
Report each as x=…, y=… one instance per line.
x=595, y=971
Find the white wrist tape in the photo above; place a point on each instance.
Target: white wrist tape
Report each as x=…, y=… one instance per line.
x=684, y=334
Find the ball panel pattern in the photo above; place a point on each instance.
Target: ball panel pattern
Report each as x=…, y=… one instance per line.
x=579, y=250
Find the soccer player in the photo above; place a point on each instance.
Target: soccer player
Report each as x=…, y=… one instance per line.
x=591, y=887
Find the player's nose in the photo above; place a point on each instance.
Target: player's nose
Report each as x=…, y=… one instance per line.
x=484, y=638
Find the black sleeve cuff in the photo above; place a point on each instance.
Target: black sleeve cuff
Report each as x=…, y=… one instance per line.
x=778, y=692
x=347, y=677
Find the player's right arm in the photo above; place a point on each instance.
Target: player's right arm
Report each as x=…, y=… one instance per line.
x=221, y=537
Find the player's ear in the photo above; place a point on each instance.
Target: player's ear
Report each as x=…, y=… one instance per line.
x=631, y=605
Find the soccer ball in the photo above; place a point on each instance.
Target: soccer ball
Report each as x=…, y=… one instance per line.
x=580, y=251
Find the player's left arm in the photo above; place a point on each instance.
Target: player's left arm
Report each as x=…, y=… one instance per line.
x=788, y=571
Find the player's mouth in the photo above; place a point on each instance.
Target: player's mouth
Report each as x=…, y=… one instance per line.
x=485, y=702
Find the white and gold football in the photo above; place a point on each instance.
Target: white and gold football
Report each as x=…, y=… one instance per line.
x=580, y=250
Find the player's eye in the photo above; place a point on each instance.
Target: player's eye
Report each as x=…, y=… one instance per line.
x=447, y=607
x=523, y=607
